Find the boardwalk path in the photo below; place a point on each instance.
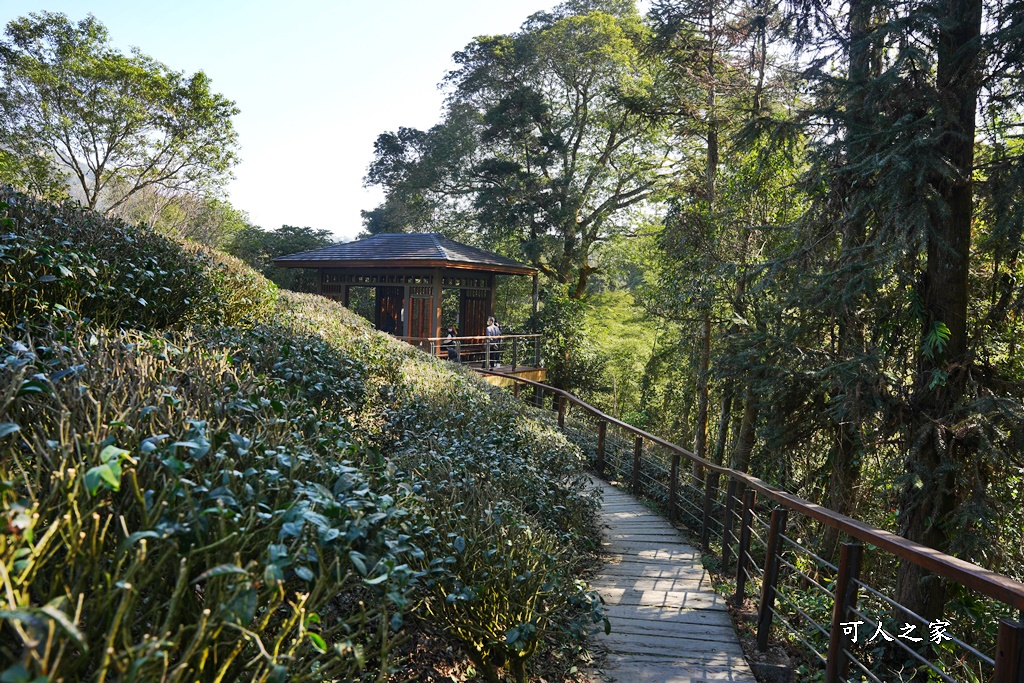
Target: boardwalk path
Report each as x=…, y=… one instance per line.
x=668, y=625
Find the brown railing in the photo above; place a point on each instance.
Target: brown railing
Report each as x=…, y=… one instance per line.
x=507, y=351
x=826, y=607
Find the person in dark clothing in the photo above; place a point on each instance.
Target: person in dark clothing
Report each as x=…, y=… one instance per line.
x=493, y=346
x=451, y=345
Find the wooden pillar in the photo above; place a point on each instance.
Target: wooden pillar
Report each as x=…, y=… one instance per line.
x=845, y=598
x=492, y=279
x=536, y=296
x=1009, y=652
x=460, y=324
x=406, y=309
x=345, y=301
x=435, y=322
x=376, y=307
x=770, y=577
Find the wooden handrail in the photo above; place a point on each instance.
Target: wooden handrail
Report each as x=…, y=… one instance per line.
x=477, y=338
x=997, y=586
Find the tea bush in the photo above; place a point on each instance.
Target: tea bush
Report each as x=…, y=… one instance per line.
x=171, y=515
x=204, y=480
x=501, y=584
x=59, y=257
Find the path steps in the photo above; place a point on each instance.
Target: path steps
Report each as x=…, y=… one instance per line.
x=668, y=625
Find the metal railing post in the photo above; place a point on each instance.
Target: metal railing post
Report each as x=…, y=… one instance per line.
x=536, y=352
x=1010, y=652
x=710, y=491
x=771, y=577
x=673, y=486
x=560, y=400
x=515, y=352
x=836, y=664
x=638, y=448
x=602, y=429
x=749, y=498
x=730, y=505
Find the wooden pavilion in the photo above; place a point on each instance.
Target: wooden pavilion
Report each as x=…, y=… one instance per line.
x=409, y=273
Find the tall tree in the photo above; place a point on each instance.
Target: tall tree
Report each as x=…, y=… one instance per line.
x=553, y=148
x=115, y=123
x=258, y=248
x=892, y=244
x=211, y=221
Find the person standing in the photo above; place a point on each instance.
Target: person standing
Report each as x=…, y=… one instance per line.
x=451, y=345
x=493, y=345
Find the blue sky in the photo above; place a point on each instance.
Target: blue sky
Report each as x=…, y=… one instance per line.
x=316, y=82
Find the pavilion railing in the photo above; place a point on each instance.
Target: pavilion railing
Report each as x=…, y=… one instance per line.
x=829, y=597
x=509, y=351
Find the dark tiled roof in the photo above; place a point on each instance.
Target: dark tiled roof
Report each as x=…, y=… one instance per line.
x=403, y=250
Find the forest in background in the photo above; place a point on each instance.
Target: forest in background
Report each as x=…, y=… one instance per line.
x=787, y=235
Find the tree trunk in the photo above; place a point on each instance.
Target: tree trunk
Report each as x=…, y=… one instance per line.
x=700, y=440
x=847, y=446
x=748, y=429
x=941, y=376
x=723, y=425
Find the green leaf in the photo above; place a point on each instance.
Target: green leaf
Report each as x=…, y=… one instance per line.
x=220, y=570
x=66, y=625
x=317, y=641
x=16, y=674
x=273, y=574
x=93, y=479
x=33, y=386
x=376, y=580
x=112, y=454
x=111, y=475
x=243, y=608
x=359, y=560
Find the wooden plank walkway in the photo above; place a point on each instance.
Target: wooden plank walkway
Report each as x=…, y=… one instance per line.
x=668, y=625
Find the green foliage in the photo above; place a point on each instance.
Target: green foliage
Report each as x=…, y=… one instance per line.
x=184, y=216
x=33, y=174
x=182, y=540
x=249, y=486
x=518, y=525
x=626, y=337
x=571, y=358
x=498, y=583
x=257, y=247
x=104, y=118
x=60, y=259
x=242, y=294
x=543, y=147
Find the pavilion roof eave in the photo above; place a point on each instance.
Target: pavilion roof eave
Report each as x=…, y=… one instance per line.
x=405, y=264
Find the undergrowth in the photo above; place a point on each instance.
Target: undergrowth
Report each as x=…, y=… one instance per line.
x=205, y=479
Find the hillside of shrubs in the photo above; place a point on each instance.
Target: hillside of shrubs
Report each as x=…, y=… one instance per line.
x=203, y=478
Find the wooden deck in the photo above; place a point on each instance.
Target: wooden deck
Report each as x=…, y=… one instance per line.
x=668, y=625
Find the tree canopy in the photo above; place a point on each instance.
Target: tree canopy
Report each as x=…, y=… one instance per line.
x=73, y=106
x=545, y=147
